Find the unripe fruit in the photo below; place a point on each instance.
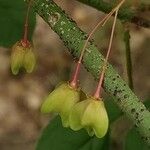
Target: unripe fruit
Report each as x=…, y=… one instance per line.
x=61, y=101
x=22, y=57
x=29, y=60
x=17, y=57
x=76, y=115
x=91, y=115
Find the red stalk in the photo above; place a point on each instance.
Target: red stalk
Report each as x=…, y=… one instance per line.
x=25, y=37
x=97, y=93
x=74, y=80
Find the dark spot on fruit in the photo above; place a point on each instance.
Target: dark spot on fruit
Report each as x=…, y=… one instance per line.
x=137, y=115
x=119, y=91
x=109, y=89
x=138, y=121
x=142, y=110
x=116, y=87
x=114, y=79
x=117, y=76
x=132, y=110
x=126, y=96
x=115, y=92
x=118, y=99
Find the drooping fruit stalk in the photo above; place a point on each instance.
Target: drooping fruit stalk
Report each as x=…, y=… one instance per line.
x=90, y=113
x=25, y=41
x=22, y=55
x=97, y=93
x=74, y=80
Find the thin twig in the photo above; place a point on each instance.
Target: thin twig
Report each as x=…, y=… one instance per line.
x=97, y=93
x=73, y=82
x=128, y=58
x=125, y=14
x=25, y=37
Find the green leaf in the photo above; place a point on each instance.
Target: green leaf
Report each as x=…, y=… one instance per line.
x=55, y=137
x=147, y=103
x=133, y=141
x=12, y=18
x=112, y=109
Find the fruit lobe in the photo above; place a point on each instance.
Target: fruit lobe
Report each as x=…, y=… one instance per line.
x=22, y=56
x=91, y=115
x=17, y=57
x=29, y=60
x=61, y=101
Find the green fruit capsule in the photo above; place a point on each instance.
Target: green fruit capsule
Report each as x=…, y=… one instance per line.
x=17, y=57
x=91, y=115
x=61, y=101
x=22, y=57
x=76, y=115
x=29, y=60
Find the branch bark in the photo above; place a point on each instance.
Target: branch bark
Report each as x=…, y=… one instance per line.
x=125, y=14
x=93, y=61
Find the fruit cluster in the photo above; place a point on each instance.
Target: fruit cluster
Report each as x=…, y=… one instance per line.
x=22, y=57
x=76, y=109
x=75, y=112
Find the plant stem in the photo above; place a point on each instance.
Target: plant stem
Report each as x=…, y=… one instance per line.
x=74, y=80
x=97, y=93
x=128, y=58
x=125, y=14
x=73, y=38
x=25, y=37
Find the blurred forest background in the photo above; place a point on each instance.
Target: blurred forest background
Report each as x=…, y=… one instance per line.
x=21, y=96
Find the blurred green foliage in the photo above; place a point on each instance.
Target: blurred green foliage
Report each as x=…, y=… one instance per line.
x=12, y=18
x=133, y=141
x=55, y=137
